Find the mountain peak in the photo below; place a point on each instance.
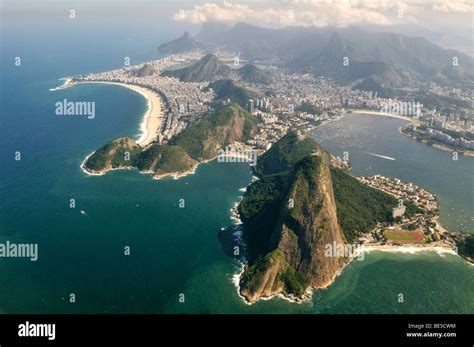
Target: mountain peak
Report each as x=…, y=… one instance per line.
x=208, y=68
x=181, y=44
x=308, y=207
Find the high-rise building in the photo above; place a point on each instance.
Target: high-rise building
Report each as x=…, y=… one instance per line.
x=251, y=106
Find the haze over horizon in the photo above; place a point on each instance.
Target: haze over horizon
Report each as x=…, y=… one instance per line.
x=446, y=23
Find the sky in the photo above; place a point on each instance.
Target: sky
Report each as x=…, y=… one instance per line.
x=451, y=21
x=428, y=13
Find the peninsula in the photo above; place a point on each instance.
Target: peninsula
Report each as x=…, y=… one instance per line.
x=198, y=143
x=304, y=220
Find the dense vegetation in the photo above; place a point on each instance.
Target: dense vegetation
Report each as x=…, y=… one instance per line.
x=202, y=139
x=254, y=273
x=305, y=181
x=96, y=160
x=294, y=281
x=279, y=238
x=118, y=153
x=285, y=154
x=372, y=85
x=199, y=141
x=308, y=108
x=252, y=74
x=259, y=210
x=227, y=90
x=360, y=207
x=440, y=102
x=207, y=68
x=261, y=194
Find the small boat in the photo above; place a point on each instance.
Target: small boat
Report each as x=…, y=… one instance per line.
x=83, y=212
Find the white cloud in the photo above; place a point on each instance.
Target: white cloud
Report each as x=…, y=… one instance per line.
x=455, y=7
x=321, y=12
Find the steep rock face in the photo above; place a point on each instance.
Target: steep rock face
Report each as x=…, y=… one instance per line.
x=298, y=210
x=315, y=216
x=234, y=129
x=306, y=224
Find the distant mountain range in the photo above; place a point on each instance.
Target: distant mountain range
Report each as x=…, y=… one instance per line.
x=180, y=45
x=388, y=60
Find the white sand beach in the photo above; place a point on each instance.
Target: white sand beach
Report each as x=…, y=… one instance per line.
x=379, y=113
x=153, y=118
x=410, y=249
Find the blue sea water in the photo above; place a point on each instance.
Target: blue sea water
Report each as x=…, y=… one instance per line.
x=173, y=250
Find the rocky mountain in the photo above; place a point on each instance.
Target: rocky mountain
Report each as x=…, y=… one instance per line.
x=181, y=44
x=391, y=59
x=208, y=68
x=345, y=62
x=298, y=207
x=252, y=74
x=145, y=70
x=220, y=128
x=228, y=90
x=198, y=142
x=306, y=222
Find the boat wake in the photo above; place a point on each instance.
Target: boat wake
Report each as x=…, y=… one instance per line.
x=381, y=156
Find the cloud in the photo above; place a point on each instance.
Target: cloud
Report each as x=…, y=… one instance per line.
x=455, y=7
x=319, y=12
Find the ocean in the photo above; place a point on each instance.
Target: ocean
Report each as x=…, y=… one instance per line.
x=173, y=250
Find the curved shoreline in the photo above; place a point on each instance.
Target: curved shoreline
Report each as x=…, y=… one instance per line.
x=83, y=167
x=405, y=249
x=442, y=147
x=377, y=113
x=153, y=117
